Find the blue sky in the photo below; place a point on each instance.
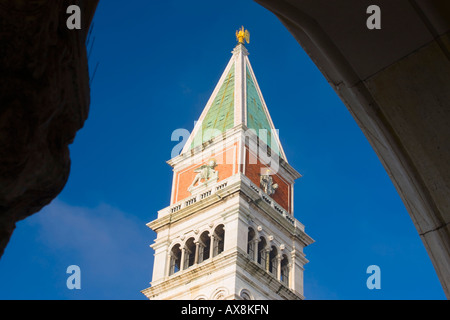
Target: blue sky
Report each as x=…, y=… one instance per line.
x=159, y=62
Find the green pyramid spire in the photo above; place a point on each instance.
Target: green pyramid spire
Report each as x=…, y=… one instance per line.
x=220, y=116
x=236, y=100
x=256, y=115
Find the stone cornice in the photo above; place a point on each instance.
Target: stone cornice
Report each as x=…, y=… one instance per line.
x=233, y=185
x=196, y=207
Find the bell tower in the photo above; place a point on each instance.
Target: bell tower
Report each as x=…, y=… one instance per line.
x=229, y=231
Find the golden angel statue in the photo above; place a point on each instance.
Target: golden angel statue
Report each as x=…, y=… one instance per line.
x=243, y=35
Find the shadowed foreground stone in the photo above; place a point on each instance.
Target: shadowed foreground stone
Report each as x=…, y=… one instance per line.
x=44, y=101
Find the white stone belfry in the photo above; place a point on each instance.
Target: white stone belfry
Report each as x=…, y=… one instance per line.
x=229, y=231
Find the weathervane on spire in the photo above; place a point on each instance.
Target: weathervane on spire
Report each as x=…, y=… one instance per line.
x=243, y=35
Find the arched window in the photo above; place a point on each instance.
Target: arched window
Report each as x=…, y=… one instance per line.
x=251, y=243
x=273, y=261
x=219, y=240
x=204, y=247
x=189, y=253
x=262, y=252
x=245, y=295
x=284, y=270
x=220, y=294
x=175, y=259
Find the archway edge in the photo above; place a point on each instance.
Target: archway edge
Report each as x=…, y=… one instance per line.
x=385, y=87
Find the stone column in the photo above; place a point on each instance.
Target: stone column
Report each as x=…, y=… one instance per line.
x=197, y=245
x=267, y=253
x=183, y=252
x=169, y=264
x=290, y=275
x=211, y=248
x=255, y=250
x=279, y=267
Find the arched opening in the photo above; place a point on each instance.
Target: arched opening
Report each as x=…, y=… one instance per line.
x=262, y=252
x=251, y=242
x=204, y=247
x=245, y=295
x=220, y=294
x=175, y=259
x=219, y=240
x=189, y=253
x=273, y=261
x=284, y=265
x=391, y=124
